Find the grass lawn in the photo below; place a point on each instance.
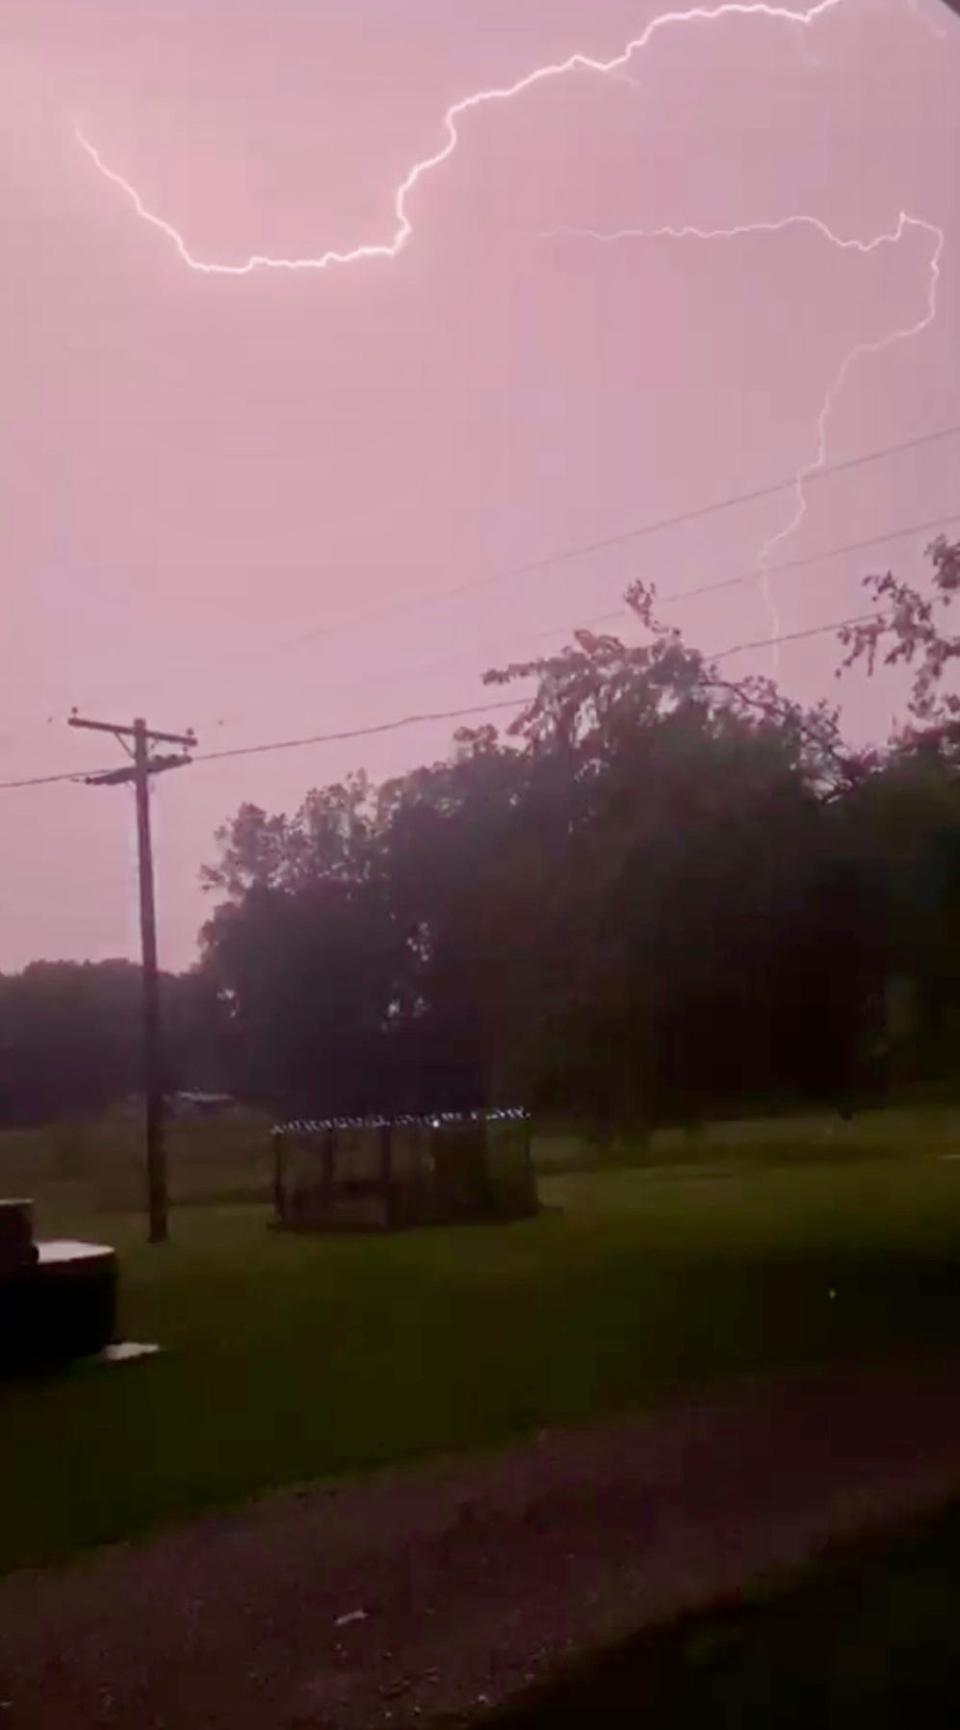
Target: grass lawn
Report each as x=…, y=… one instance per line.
x=866, y=1640
x=287, y=1358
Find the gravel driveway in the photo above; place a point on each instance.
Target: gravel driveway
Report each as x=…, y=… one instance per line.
x=434, y=1592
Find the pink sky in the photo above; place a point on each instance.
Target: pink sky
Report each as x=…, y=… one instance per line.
x=202, y=473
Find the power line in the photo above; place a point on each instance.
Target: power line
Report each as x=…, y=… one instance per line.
x=583, y=549
x=49, y=780
x=290, y=744
x=360, y=732
x=427, y=716
x=794, y=636
x=676, y=595
x=508, y=703
x=602, y=618
x=759, y=643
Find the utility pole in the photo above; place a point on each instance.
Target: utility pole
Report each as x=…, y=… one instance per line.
x=142, y=767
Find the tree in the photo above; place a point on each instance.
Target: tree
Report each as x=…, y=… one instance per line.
x=304, y=954
x=699, y=882
x=639, y=903
x=908, y=631
x=907, y=818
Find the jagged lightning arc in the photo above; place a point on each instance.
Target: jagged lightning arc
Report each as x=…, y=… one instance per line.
x=578, y=62
x=859, y=351
x=403, y=227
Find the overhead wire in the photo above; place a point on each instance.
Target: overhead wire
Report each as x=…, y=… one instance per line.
x=584, y=549
x=676, y=595
x=360, y=732
x=671, y=598
x=794, y=636
x=570, y=553
x=419, y=719
x=290, y=744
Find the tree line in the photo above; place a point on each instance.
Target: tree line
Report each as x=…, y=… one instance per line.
x=660, y=893
x=70, y=1042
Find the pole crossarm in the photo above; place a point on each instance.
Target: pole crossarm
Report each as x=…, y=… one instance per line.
x=188, y=739
x=154, y=766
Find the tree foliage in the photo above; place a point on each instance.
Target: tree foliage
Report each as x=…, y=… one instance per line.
x=70, y=1037
x=661, y=892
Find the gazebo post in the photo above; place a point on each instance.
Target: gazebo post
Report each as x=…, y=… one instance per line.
x=279, y=1176
x=386, y=1169
x=329, y=1163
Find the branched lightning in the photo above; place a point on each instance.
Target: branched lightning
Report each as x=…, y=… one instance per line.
x=859, y=351
x=403, y=226
x=616, y=67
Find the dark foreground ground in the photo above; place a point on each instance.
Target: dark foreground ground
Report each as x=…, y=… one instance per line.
x=434, y=1595
x=290, y=1358
x=869, y=1639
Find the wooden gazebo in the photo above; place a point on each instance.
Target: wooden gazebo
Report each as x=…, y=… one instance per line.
x=386, y=1173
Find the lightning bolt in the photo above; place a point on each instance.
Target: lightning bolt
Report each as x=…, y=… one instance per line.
x=859, y=351
x=616, y=67
x=403, y=226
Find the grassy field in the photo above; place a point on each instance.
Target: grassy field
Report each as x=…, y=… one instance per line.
x=287, y=1358
x=869, y=1639
x=74, y=1170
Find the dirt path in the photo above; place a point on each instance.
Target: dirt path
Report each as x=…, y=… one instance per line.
x=472, y=1577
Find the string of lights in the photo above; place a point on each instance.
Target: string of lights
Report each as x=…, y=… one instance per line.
x=406, y=1120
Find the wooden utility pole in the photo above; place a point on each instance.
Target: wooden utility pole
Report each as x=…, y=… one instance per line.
x=142, y=767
